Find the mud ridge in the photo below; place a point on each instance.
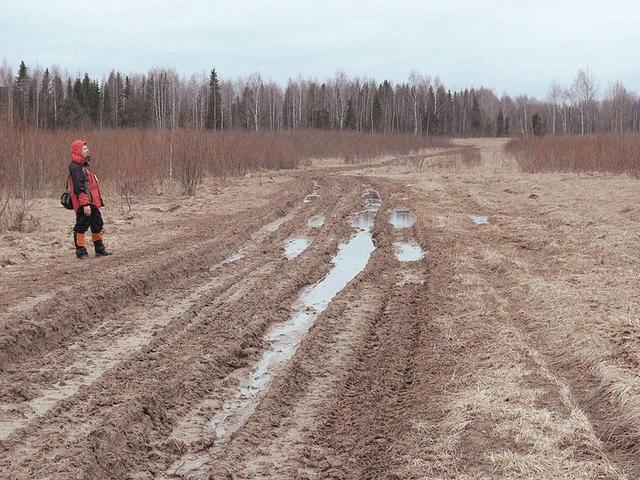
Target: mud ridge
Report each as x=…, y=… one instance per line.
x=170, y=379
x=69, y=314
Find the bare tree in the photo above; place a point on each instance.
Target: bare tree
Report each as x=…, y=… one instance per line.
x=419, y=85
x=553, y=96
x=585, y=89
x=254, y=87
x=619, y=103
x=342, y=96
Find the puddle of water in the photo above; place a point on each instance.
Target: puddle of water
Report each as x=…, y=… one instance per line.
x=295, y=246
x=479, y=219
x=363, y=220
x=284, y=340
x=401, y=218
x=311, y=198
x=316, y=221
x=408, y=251
x=372, y=200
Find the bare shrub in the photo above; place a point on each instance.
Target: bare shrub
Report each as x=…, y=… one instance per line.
x=126, y=185
x=190, y=167
x=469, y=156
x=21, y=178
x=5, y=211
x=592, y=153
x=137, y=161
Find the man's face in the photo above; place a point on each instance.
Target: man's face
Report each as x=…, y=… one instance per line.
x=85, y=151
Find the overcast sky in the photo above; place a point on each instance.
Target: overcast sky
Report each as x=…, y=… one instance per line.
x=513, y=46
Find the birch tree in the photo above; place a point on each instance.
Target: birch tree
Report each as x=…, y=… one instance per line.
x=585, y=89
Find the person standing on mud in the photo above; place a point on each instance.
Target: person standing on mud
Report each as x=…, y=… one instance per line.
x=86, y=200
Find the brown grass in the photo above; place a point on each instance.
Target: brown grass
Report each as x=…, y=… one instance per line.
x=593, y=153
x=134, y=162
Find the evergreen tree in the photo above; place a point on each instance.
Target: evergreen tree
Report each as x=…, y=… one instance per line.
x=57, y=99
x=312, y=94
x=244, y=111
x=127, y=113
x=450, y=112
x=428, y=119
x=476, y=118
x=537, y=125
x=214, y=106
x=45, y=100
x=376, y=113
x=287, y=107
x=322, y=118
x=500, y=131
x=89, y=97
x=350, y=116
x=441, y=107
x=72, y=115
x=21, y=96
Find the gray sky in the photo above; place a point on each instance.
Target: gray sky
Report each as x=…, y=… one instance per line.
x=514, y=46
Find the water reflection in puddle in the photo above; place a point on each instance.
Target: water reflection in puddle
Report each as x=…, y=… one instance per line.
x=372, y=200
x=479, y=219
x=284, y=339
x=401, y=218
x=364, y=220
x=316, y=221
x=295, y=246
x=408, y=251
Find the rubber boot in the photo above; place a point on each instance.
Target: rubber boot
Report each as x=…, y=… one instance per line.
x=81, y=251
x=101, y=251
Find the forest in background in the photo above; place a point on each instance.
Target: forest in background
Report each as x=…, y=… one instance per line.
x=48, y=98
x=159, y=130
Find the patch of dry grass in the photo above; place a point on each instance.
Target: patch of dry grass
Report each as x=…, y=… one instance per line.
x=506, y=413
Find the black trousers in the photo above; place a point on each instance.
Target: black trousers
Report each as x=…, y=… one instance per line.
x=94, y=221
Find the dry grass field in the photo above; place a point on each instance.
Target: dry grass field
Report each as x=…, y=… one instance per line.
x=510, y=350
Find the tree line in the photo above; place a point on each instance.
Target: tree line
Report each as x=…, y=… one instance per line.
x=161, y=98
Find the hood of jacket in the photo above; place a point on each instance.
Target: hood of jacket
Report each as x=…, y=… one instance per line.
x=76, y=151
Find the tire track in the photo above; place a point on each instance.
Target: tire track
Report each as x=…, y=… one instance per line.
x=205, y=322
x=69, y=314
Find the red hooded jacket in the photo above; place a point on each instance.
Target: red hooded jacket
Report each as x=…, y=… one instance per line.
x=83, y=183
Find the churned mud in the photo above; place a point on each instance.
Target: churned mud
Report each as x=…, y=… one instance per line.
x=409, y=318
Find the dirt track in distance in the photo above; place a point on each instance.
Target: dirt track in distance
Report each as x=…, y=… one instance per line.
x=510, y=350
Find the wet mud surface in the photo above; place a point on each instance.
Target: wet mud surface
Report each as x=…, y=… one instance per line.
x=354, y=322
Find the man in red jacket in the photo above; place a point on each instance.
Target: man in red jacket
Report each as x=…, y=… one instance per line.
x=86, y=199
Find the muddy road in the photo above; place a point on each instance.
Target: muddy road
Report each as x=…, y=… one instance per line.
x=418, y=317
